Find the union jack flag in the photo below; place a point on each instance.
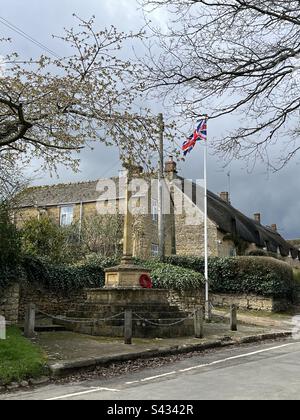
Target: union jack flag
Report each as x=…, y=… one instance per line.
x=200, y=133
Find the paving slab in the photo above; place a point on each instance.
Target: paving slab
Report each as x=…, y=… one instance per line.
x=68, y=351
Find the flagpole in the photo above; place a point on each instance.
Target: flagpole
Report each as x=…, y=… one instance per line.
x=187, y=147
x=207, y=302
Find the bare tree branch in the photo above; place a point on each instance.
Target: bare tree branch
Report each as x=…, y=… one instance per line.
x=239, y=57
x=50, y=108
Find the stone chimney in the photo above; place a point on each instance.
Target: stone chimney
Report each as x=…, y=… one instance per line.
x=274, y=228
x=137, y=170
x=171, y=168
x=257, y=217
x=225, y=197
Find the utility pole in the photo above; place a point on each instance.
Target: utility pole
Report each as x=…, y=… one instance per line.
x=161, y=218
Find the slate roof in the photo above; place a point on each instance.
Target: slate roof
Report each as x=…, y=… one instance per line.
x=54, y=195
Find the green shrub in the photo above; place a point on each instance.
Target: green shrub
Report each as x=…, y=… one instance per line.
x=9, y=275
x=9, y=240
x=258, y=253
x=192, y=263
x=258, y=275
x=64, y=278
x=10, y=249
x=262, y=253
x=45, y=239
x=167, y=276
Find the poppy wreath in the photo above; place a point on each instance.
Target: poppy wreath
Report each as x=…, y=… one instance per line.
x=146, y=282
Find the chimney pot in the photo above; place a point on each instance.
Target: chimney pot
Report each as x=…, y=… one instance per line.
x=257, y=217
x=225, y=197
x=274, y=227
x=171, y=166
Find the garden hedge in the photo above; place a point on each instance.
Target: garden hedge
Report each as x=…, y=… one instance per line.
x=258, y=275
x=168, y=276
x=63, y=278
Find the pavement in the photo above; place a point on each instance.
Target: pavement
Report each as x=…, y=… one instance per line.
x=263, y=319
x=73, y=356
x=264, y=371
x=68, y=351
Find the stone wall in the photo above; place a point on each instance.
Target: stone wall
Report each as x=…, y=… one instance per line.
x=186, y=300
x=14, y=300
x=250, y=302
x=9, y=303
x=145, y=229
x=49, y=302
x=189, y=228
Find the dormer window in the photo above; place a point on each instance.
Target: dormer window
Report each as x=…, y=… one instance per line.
x=257, y=238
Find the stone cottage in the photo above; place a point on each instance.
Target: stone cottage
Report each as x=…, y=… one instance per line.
x=230, y=232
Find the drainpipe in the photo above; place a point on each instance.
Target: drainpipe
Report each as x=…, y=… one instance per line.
x=80, y=220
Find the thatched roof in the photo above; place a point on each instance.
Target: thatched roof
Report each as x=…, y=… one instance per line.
x=232, y=221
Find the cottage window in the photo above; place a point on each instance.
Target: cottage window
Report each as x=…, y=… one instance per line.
x=233, y=252
x=154, y=250
x=154, y=210
x=66, y=215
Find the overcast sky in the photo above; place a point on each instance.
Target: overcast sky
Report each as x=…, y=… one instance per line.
x=276, y=196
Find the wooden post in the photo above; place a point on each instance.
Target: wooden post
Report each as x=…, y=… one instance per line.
x=2, y=328
x=128, y=326
x=233, y=318
x=198, y=322
x=29, y=321
x=208, y=311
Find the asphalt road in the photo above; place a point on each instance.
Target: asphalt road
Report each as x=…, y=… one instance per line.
x=269, y=371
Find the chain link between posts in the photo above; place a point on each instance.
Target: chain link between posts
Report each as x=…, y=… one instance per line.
x=116, y=317
x=224, y=315
x=150, y=322
x=91, y=320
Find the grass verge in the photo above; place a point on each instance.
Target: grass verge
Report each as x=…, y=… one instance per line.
x=20, y=359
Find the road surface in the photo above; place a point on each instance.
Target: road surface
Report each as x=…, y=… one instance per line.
x=253, y=372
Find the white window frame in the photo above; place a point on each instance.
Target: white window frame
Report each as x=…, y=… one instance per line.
x=154, y=250
x=67, y=213
x=154, y=210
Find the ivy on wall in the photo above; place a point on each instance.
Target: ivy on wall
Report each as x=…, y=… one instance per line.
x=62, y=278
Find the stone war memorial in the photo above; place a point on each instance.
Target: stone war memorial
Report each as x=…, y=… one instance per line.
x=128, y=292
x=126, y=275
